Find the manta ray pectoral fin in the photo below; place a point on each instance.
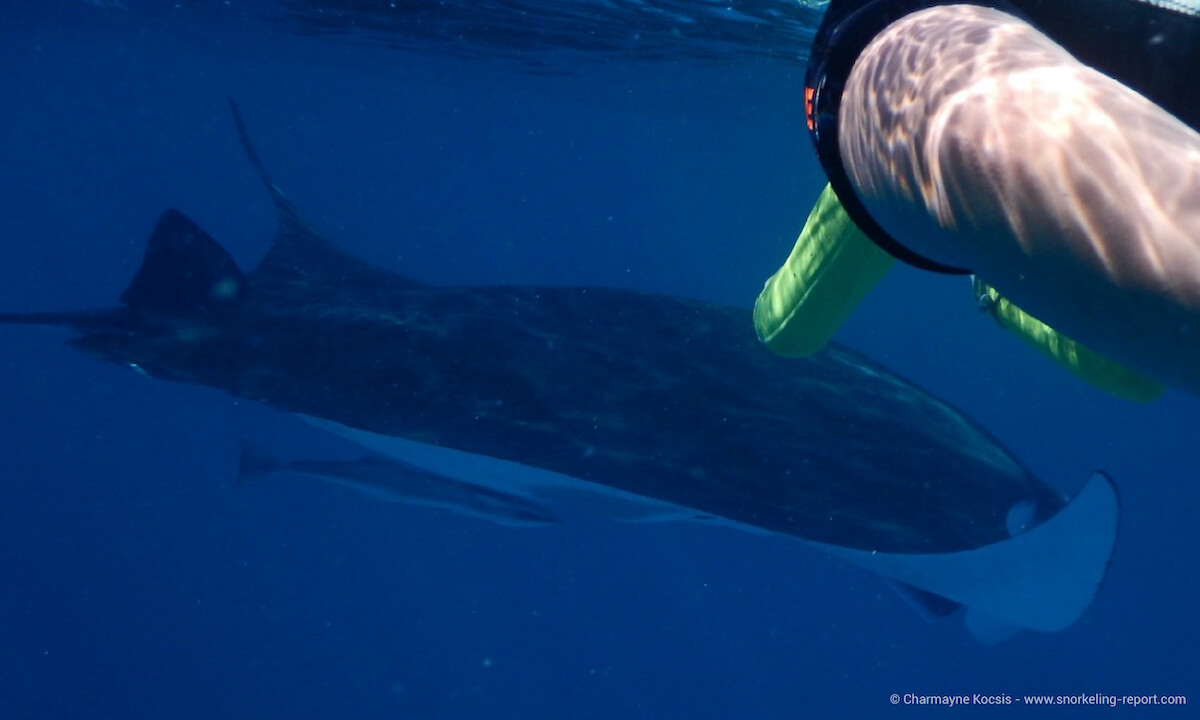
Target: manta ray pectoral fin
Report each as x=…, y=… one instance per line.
x=987, y=629
x=1043, y=579
x=299, y=251
x=292, y=225
x=928, y=605
x=533, y=484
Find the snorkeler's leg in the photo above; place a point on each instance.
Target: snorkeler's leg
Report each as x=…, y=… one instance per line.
x=977, y=142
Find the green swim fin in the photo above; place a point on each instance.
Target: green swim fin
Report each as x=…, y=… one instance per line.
x=1090, y=366
x=829, y=271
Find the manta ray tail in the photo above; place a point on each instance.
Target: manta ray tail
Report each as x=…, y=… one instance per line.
x=185, y=276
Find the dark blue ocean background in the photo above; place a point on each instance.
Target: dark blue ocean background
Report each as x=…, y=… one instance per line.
x=136, y=582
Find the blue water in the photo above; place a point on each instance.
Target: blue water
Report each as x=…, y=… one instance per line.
x=135, y=582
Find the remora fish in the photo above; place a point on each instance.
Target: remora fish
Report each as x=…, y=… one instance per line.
x=554, y=391
x=400, y=482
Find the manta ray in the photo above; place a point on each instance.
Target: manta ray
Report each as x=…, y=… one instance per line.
x=398, y=482
x=640, y=404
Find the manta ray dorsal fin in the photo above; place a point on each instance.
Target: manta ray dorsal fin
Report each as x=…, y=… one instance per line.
x=185, y=273
x=299, y=251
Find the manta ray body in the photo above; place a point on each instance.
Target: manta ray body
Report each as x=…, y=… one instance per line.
x=552, y=393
